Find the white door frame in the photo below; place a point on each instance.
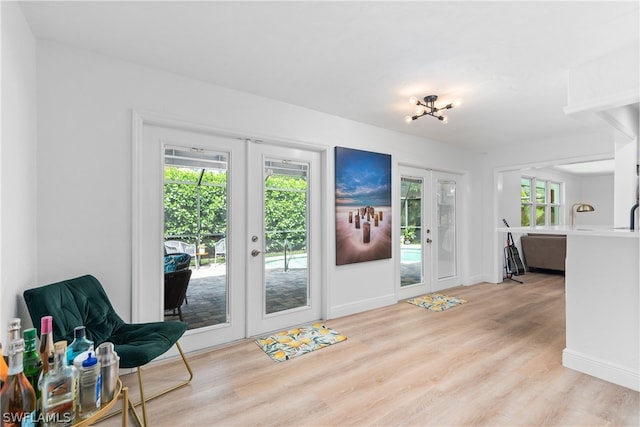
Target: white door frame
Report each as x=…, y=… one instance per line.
x=147, y=224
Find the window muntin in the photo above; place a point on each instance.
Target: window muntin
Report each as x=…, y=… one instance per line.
x=543, y=205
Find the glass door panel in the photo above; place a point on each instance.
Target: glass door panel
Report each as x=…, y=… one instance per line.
x=446, y=232
x=446, y=216
x=286, y=278
x=195, y=223
x=414, y=232
x=411, y=259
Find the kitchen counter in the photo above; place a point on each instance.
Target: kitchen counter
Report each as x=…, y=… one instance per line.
x=602, y=290
x=578, y=230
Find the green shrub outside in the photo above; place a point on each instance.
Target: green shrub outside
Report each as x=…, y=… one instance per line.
x=284, y=210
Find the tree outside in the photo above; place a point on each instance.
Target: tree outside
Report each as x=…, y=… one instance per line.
x=187, y=204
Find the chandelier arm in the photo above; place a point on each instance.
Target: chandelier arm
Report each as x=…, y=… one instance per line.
x=429, y=108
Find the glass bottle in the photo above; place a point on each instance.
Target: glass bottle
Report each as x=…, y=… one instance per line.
x=14, y=334
x=46, y=342
x=59, y=390
x=17, y=396
x=14, y=329
x=80, y=344
x=31, y=359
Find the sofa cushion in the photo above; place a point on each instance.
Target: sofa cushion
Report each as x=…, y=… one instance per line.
x=173, y=262
x=547, y=251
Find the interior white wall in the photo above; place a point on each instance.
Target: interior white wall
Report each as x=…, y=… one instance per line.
x=18, y=169
x=607, y=88
x=626, y=179
x=509, y=197
x=596, y=190
x=84, y=177
x=589, y=146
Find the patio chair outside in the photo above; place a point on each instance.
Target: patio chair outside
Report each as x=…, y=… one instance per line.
x=177, y=246
x=220, y=248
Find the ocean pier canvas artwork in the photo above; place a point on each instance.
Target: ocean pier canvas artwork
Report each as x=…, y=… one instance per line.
x=363, y=206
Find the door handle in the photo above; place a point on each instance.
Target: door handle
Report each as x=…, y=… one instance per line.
x=255, y=253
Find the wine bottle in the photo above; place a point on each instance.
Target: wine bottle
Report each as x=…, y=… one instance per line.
x=17, y=396
x=32, y=364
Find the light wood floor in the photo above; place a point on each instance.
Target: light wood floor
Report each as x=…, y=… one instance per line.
x=496, y=360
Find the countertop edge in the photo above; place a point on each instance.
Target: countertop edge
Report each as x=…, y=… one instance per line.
x=596, y=231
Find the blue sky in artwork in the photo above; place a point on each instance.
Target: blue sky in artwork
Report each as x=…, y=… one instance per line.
x=362, y=178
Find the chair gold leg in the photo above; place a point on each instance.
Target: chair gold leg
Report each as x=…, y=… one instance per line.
x=143, y=399
x=131, y=406
x=125, y=407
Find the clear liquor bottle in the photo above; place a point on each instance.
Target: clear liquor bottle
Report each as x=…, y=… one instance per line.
x=59, y=390
x=17, y=396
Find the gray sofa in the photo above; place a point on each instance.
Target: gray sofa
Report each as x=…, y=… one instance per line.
x=544, y=251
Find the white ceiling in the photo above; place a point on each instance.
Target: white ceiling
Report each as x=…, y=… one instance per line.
x=596, y=167
x=507, y=61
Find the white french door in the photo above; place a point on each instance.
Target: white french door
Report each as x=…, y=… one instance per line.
x=156, y=148
x=277, y=286
x=283, y=254
x=428, y=232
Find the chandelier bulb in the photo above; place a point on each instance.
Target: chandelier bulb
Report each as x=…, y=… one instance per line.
x=408, y=119
x=413, y=100
x=444, y=119
x=420, y=111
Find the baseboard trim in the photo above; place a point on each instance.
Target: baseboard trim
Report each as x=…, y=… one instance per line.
x=360, y=306
x=602, y=369
x=475, y=279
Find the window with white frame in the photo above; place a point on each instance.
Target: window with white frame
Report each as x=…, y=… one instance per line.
x=539, y=202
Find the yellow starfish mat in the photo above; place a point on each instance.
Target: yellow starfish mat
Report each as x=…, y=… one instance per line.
x=292, y=343
x=436, y=302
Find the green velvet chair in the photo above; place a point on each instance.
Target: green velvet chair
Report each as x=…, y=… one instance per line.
x=83, y=301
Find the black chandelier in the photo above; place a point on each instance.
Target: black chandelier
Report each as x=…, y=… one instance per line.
x=427, y=108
